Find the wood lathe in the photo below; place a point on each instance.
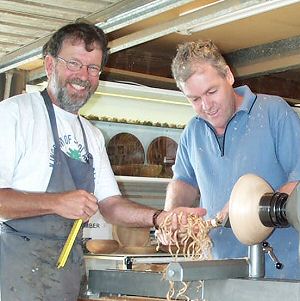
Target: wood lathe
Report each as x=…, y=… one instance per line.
x=254, y=211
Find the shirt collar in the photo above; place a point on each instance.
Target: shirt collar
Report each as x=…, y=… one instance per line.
x=248, y=98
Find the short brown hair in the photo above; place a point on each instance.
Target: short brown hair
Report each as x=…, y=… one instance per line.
x=190, y=54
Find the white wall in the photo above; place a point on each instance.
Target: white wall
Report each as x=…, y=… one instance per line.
x=139, y=103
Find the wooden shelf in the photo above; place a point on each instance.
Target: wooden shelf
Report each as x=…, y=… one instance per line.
x=144, y=190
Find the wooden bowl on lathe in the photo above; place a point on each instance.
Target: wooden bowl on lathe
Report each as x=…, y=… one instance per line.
x=244, y=209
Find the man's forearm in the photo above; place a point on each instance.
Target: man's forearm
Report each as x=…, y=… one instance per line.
x=180, y=194
x=73, y=204
x=121, y=211
x=16, y=204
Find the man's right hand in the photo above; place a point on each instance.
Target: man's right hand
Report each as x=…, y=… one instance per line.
x=77, y=204
x=174, y=215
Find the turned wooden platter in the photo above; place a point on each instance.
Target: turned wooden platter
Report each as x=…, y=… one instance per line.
x=162, y=151
x=125, y=148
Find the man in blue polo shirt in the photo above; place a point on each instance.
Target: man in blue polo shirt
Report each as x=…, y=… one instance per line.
x=235, y=132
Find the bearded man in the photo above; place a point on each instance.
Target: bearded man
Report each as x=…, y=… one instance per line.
x=54, y=169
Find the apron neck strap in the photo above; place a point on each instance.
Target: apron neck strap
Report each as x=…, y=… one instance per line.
x=52, y=118
x=84, y=137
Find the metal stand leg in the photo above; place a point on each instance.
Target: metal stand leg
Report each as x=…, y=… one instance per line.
x=257, y=261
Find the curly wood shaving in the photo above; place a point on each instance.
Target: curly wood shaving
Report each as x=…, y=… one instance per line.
x=192, y=240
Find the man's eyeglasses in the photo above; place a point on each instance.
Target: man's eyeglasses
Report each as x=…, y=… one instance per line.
x=73, y=65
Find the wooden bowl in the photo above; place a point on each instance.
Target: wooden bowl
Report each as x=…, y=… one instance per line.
x=127, y=170
x=131, y=237
x=150, y=170
x=136, y=170
x=244, y=209
x=138, y=250
x=102, y=246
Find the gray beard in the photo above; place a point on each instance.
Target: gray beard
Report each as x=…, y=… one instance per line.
x=68, y=103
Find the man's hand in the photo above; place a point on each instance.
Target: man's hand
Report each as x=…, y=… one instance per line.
x=77, y=204
x=174, y=215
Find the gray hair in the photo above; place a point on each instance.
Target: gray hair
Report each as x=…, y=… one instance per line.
x=191, y=54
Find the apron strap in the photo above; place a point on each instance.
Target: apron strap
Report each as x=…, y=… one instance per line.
x=89, y=155
x=52, y=118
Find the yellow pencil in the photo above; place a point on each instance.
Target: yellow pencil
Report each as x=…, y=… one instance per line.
x=69, y=244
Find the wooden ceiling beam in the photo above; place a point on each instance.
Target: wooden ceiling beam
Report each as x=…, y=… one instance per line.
x=216, y=14
x=264, y=59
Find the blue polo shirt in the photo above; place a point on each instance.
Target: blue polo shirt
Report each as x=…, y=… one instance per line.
x=263, y=138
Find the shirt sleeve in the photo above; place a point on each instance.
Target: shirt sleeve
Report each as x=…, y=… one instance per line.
x=183, y=170
x=10, y=142
x=288, y=142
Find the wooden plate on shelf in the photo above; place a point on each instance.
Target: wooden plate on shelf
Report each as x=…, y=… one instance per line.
x=162, y=151
x=125, y=148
